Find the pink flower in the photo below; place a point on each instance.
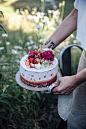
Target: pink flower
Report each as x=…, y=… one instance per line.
x=48, y=55
x=31, y=54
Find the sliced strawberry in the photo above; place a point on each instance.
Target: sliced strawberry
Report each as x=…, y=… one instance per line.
x=27, y=63
x=36, y=52
x=36, y=60
x=31, y=60
x=32, y=65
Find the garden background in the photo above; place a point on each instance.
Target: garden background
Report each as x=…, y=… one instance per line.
x=20, y=108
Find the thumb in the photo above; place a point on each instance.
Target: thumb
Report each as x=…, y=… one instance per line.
x=55, y=85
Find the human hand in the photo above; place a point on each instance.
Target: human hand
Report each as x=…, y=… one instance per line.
x=65, y=85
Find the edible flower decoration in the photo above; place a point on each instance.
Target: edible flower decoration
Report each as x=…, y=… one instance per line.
x=48, y=55
x=38, y=58
x=31, y=53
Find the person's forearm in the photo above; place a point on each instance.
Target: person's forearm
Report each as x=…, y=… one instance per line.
x=80, y=77
x=67, y=27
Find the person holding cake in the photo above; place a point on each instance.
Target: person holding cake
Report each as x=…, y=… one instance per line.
x=76, y=83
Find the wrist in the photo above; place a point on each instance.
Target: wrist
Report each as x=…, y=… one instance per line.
x=80, y=77
x=76, y=79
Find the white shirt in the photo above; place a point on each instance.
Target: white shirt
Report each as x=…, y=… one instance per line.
x=80, y=5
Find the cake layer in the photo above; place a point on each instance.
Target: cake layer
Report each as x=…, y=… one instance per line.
x=39, y=83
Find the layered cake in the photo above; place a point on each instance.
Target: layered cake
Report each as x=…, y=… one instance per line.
x=39, y=68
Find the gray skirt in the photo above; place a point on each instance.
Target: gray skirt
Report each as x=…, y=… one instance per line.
x=77, y=117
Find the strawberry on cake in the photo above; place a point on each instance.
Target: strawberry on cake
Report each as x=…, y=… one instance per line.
x=39, y=68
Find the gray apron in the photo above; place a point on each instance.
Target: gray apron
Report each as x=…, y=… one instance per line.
x=77, y=117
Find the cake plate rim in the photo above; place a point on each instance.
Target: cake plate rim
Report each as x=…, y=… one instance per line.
x=28, y=87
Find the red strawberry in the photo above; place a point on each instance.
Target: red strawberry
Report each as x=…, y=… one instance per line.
x=36, y=60
x=36, y=52
x=39, y=50
x=27, y=63
x=31, y=60
x=32, y=65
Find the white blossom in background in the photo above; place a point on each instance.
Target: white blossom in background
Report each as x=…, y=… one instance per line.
x=4, y=35
x=72, y=36
x=75, y=41
x=29, y=47
x=53, y=28
x=56, y=13
x=67, y=42
x=35, y=47
x=41, y=24
x=17, y=47
x=57, y=50
x=30, y=17
x=36, y=19
x=46, y=37
x=4, y=67
x=28, y=43
x=31, y=42
x=7, y=43
x=49, y=23
x=19, y=16
x=59, y=47
x=14, y=51
x=25, y=31
x=17, y=11
x=29, y=37
x=40, y=35
x=22, y=12
x=39, y=27
x=46, y=18
x=1, y=48
x=40, y=40
x=49, y=11
x=33, y=12
x=43, y=21
x=40, y=15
